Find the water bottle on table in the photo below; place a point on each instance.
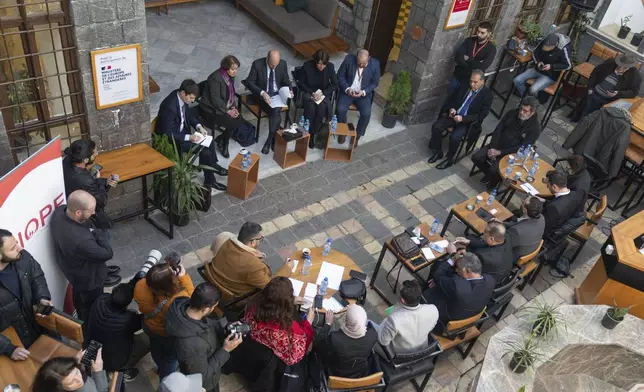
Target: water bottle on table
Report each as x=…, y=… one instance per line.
x=434, y=228
x=307, y=125
x=520, y=153
x=323, y=286
x=307, y=265
x=490, y=198
x=327, y=247
x=301, y=122
x=334, y=123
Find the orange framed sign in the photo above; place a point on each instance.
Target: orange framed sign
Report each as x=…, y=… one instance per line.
x=117, y=75
x=458, y=14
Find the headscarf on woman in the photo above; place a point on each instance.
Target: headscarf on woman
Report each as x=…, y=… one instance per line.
x=355, y=322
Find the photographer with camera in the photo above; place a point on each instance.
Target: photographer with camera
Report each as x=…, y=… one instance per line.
x=196, y=341
x=163, y=283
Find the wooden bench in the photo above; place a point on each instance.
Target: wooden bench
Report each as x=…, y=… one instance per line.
x=164, y=4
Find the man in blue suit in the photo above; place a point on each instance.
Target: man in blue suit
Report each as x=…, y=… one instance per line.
x=358, y=77
x=175, y=120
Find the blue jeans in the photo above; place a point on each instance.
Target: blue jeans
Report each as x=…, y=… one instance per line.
x=454, y=84
x=162, y=351
x=363, y=104
x=541, y=82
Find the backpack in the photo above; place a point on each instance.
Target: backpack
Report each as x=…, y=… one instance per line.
x=245, y=134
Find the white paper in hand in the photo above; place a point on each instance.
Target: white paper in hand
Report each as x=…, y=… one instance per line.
x=428, y=254
x=332, y=304
x=333, y=272
x=297, y=286
x=530, y=189
x=280, y=100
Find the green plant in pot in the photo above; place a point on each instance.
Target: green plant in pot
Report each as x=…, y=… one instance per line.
x=624, y=29
x=524, y=354
x=399, y=99
x=187, y=193
x=533, y=35
x=614, y=315
x=546, y=318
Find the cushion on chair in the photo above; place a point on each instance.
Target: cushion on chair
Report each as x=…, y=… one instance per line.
x=323, y=11
x=404, y=373
x=295, y=5
x=446, y=343
x=64, y=325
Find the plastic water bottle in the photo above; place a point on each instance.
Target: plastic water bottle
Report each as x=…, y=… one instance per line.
x=323, y=285
x=307, y=265
x=490, y=199
x=434, y=228
x=301, y=123
x=327, y=247
x=552, y=30
x=508, y=171
x=533, y=170
x=307, y=125
x=334, y=123
x=520, y=153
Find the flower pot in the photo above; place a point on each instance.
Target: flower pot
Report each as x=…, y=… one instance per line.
x=637, y=39
x=515, y=366
x=538, y=330
x=623, y=32
x=180, y=219
x=389, y=120
x=609, y=322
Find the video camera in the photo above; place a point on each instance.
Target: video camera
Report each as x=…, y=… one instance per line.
x=241, y=329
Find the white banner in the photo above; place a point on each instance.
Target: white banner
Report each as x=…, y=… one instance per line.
x=28, y=196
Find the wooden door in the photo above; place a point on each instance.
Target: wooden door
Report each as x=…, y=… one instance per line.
x=384, y=16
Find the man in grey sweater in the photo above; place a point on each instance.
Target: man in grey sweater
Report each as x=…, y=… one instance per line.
x=407, y=327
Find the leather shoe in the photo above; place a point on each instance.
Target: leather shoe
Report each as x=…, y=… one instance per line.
x=485, y=180
x=216, y=185
x=111, y=280
x=113, y=269
x=445, y=164
x=223, y=147
x=312, y=141
x=220, y=170
x=266, y=149
x=436, y=156
x=342, y=139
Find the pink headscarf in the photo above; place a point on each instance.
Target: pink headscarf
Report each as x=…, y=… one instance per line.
x=355, y=322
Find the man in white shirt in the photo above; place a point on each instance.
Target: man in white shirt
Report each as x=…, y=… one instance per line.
x=176, y=119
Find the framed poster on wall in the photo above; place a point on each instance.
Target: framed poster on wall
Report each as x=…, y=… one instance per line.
x=117, y=75
x=458, y=13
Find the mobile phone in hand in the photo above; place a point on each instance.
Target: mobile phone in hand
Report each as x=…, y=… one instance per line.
x=44, y=310
x=96, y=167
x=91, y=353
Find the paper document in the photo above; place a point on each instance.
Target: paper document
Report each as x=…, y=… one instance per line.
x=332, y=304
x=333, y=272
x=428, y=254
x=204, y=140
x=311, y=290
x=280, y=100
x=297, y=286
x=320, y=97
x=530, y=189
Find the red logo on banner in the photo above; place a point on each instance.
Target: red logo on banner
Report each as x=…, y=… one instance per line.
x=461, y=5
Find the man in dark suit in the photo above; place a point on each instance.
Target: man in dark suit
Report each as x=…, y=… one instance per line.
x=358, y=77
x=470, y=103
x=493, y=249
x=518, y=127
x=560, y=212
x=266, y=77
x=175, y=120
x=526, y=232
x=458, y=288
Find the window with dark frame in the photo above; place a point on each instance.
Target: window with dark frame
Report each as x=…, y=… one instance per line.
x=485, y=11
x=564, y=14
x=40, y=89
x=531, y=10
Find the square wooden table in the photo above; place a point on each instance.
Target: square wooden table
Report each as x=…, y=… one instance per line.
x=473, y=221
x=340, y=154
x=242, y=182
x=289, y=159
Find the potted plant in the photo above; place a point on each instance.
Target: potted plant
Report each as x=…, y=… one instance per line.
x=637, y=39
x=547, y=318
x=524, y=354
x=614, y=315
x=624, y=29
x=399, y=99
x=532, y=33
x=187, y=193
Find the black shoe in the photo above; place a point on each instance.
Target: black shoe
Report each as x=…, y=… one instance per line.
x=357, y=140
x=219, y=170
x=342, y=139
x=223, y=147
x=113, y=269
x=273, y=145
x=445, y=164
x=130, y=374
x=215, y=185
x=434, y=157
x=485, y=180
x=111, y=280
x=311, y=142
x=267, y=144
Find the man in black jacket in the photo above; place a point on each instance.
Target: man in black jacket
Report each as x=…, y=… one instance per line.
x=493, y=249
x=474, y=53
x=196, y=335
x=611, y=80
x=82, y=250
x=267, y=76
x=518, y=127
x=113, y=325
x=469, y=104
x=22, y=286
x=458, y=288
x=526, y=232
x=560, y=212
x=551, y=57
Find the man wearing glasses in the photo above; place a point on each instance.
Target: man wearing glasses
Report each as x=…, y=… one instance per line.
x=237, y=266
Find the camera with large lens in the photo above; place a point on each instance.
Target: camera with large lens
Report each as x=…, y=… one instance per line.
x=153, y=257
x=237, y=328
x=173, y=259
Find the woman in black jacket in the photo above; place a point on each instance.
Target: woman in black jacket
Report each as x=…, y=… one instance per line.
x=220, y=102
x=317, y=74
x=347, y=352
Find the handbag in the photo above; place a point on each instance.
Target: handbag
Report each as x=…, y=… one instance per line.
x=245, y=134
x=405, y=246
x=353, y=288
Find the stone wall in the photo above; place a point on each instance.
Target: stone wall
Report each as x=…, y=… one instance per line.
x=102, y=24
x=353, y=24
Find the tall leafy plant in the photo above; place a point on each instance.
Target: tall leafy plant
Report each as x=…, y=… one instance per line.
x=399, y=94
x=579, y=27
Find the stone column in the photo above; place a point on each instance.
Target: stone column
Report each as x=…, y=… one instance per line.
x=353, y=24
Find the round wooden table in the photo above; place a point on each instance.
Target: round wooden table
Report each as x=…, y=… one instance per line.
x=538, y=184
x=335, y=257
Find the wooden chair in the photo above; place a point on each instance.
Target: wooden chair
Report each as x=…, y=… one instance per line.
x=468, y=140
x=633, y=168
x=462, y=331
x=116, y=381
x=246, y=101
x=554, y=90
x=582, y=234
x=528, y=265
x=501, y=297
x=372, y=382
x=45, y=347
x=399, y=368
x=584, y=69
